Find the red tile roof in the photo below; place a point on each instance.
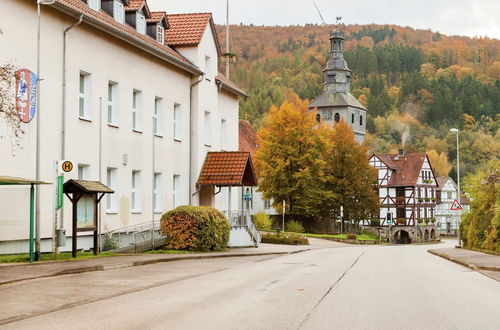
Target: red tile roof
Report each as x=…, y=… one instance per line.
x=102, y=19
x=229, y=85
x=188, y=29
x=406, y=168
x=247, y=137
x=228, y=168
x=135, y=5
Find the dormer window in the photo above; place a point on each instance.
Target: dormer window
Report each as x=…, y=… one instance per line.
x=140, y=23
x=118, y=11
x=94, y=4
x=160, y=34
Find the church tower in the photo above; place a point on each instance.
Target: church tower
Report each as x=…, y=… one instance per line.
x=336, y=102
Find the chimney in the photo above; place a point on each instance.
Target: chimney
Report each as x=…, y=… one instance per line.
x=401, y=153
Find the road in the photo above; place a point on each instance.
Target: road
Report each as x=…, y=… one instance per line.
x=337, y=287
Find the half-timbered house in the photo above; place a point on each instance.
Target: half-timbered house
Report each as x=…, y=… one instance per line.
x=406, y=186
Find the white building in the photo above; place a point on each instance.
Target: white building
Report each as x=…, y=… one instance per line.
x=446, y=194
x=132, y=97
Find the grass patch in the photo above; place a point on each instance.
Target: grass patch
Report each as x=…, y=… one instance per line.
x=365, y=236
x=49, y=257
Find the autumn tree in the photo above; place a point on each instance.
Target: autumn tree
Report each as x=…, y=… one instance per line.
x=348, y=176
x=288, y=159
x=439, y=163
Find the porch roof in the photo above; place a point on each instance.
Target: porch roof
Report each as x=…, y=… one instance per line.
x=12, y=180
x=228, y=168
x=84, y=186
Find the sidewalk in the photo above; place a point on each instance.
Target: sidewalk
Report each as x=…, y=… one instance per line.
x=484, y=263
x=19, y=272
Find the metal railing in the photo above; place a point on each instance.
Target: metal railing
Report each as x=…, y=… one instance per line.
x=243, y=219
x=134, y=235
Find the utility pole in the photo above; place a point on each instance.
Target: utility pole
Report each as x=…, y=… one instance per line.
x=227, y=39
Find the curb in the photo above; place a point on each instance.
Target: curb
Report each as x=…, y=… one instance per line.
x=464, y=263
x=148, y=262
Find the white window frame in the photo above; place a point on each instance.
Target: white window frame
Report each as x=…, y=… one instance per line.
x=135, y=195
x=223, y=134
x=140, y=23
x=83, y=171
x=111, y=182
x=207, y=128
x=157, y=193
x=177, y=122
x=176, y=190
x=137, y=110
x=158, y=117
x=84, y=96
x=113, y=103
x=160, y=33
x=94, y=4
x=119, y=11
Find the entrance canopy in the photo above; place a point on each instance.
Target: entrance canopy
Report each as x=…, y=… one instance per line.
x=227, y=168
x=15, y=181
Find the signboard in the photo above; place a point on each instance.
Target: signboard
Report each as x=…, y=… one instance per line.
x=60, y=182
x=26, y=92
x=85, y=216
x=67, y=166
x=456, y=206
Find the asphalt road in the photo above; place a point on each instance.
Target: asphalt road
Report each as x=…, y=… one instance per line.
x=351, y=287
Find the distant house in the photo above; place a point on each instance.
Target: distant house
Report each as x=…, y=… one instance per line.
x=407, y=189
x=446, y=193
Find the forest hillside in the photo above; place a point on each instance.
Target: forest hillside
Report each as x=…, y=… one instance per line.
x=416, y=84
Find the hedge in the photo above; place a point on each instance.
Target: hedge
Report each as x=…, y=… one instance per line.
x=195, y=228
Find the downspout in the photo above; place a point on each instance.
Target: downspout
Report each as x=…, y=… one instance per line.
x=63, y=124
x=191, y=109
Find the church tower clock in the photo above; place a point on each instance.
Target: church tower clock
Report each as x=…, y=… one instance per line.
x=336, y=102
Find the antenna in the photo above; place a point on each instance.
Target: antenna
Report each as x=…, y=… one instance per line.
x=227, y=37
x=319, y=12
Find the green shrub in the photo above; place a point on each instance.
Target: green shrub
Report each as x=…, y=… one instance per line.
x=262, y=221
x=294, y=227
x=351, y=236
x=375, y=222
x=285, y=238
x=195, y=228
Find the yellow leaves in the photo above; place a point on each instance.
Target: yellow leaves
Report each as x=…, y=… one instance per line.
x=494, y=70
x=428, y=70
x=439, y=162
x=362, y=98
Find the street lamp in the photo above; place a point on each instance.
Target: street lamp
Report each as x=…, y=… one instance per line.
x=459, y=244
x=37, y=213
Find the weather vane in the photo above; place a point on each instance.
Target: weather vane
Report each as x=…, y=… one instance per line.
x=337, y=21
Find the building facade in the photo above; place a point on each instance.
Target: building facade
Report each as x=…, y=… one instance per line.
x=336, y=102
x=446, y=194
x=407, y=190
x=132, y=98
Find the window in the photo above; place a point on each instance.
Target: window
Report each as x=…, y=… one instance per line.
x=177, y=122
x=141, y=23
x=84, y=96
x=83, y=172
x=136, y=191
x=158, y=117
x=136, y=111
x=207, y=129
x=111, y=199
x=361, y=120
x=223, y=134
x=157, y=193
x=208, y=67
x=450, y=195
x=94, y=4
x=352, y=118
x=337, y=117
x=267, y=203
x=113, y=103
x=176, y=193
x=118, y=11
x=160, y=34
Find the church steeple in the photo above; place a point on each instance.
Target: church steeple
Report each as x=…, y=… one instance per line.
x=337, y=74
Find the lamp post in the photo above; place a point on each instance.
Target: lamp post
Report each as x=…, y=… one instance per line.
x=455, y=130
x=37, y=213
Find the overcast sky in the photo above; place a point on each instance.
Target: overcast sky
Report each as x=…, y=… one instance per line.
x=452, y=17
